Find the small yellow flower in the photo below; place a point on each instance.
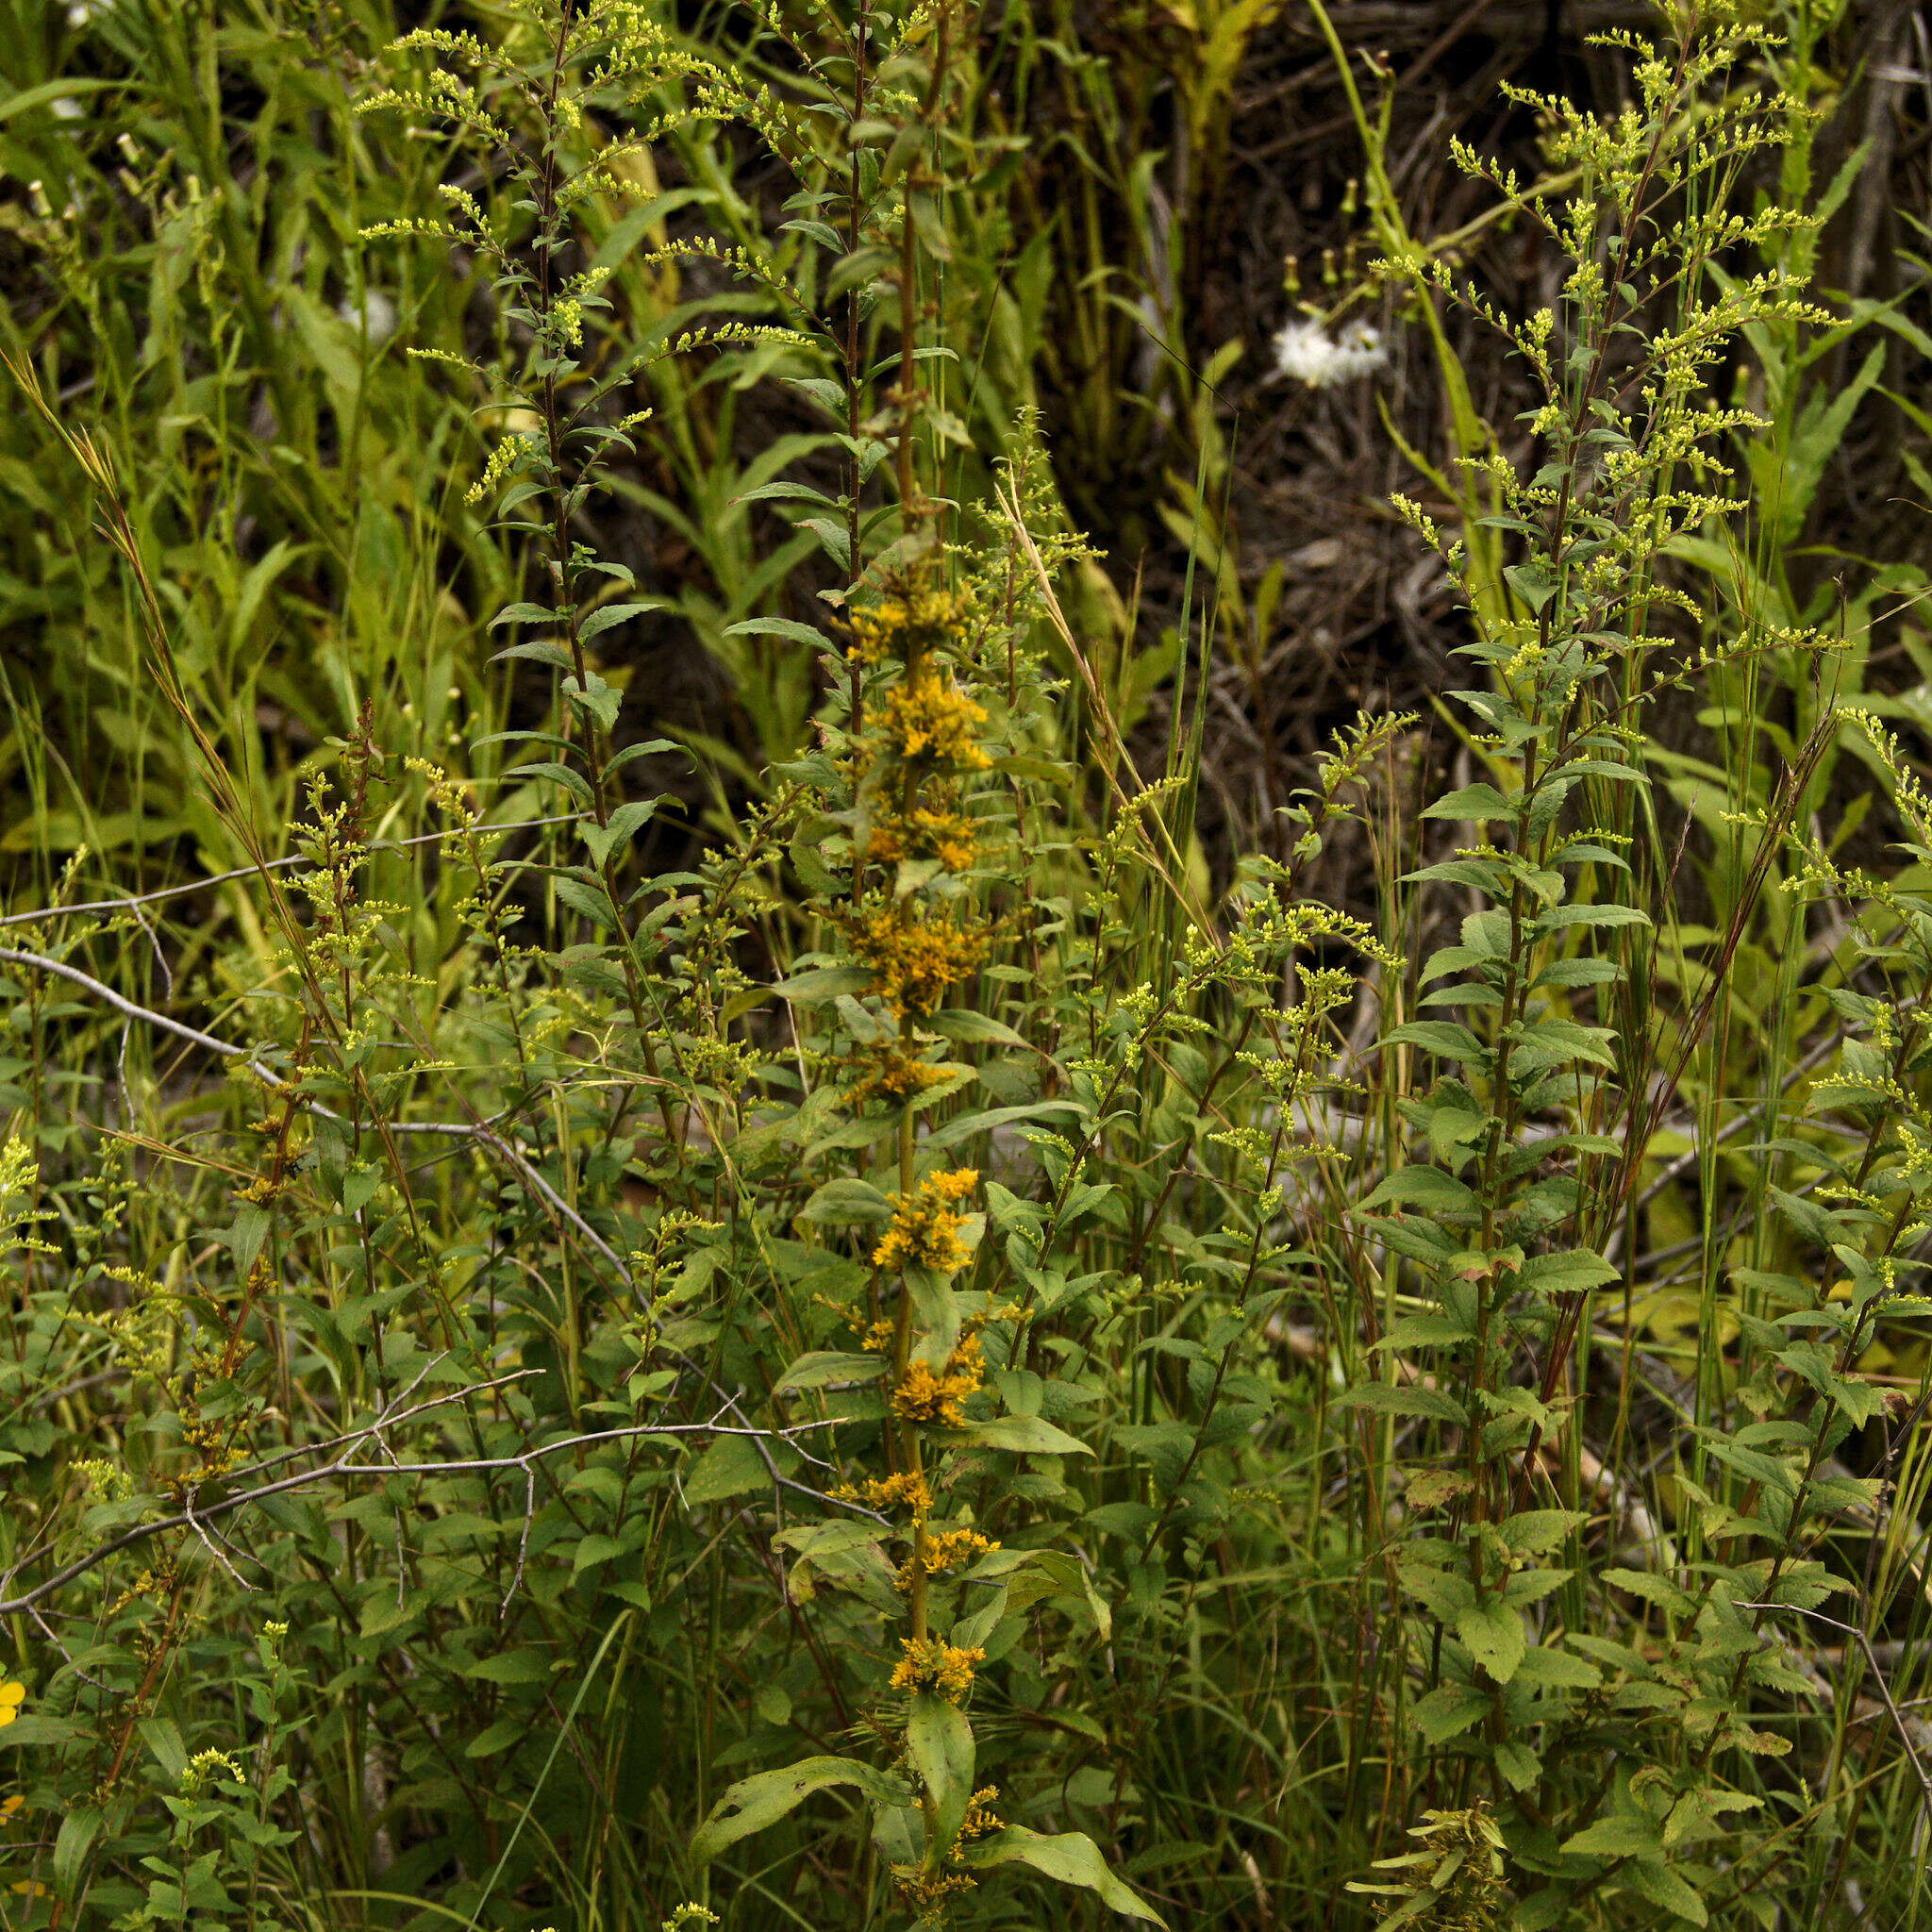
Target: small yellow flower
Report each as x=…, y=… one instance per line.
x=914, y=954
x=936, y=829
x=951, y=1549
x=903, y=1491
x=936, y=1397
x=12, y=1696
x=932, y=719
x=928, y=1894
x=940, y=1668
x=892, y=1074
x=924, y=1232
x=954, y=1548
x=907, y=627
x=981, y=1819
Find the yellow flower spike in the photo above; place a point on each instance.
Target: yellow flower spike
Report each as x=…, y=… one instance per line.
x=929, y=1664
x=981, y=1819
x=952, y=1549
x=924, y=1231
x=903, y=1490
x=928, y=832
x=935, y=1397
x=908, y=627
x=891, y=1075
x=914, y=954
x=931, y=718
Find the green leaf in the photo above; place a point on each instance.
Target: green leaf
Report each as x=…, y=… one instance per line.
x=79, y=1829
x=823, y=983
x=528, y=1665
x=573, y=782
x=1518, y=1763
x=48, y=92
x=1019, y=1434
x=1441, y=1592
x=607, y=615
x=1494, y=1633
x=938, y=1741
x=625, y=822
x=1477, y=802
x=1547, y=1043
x=968, y=1125
x=592, y=903
x=1428, y=1188
x=1859, y=1400
x=1654, y=1880
x=1542, y=1910
x=785, y=627
x=974, y=1029
x=1532, y=583
x=1070, y=1858
x=1568, y=1273
x=1555, y=1669
x=1432, y=1404
x=1531, y=1532
x=816, y=1369
x=754, y=1803
x=529, y=613
x=730, y=1467
x=541, y=651
x=1656, y=1589
x=1442, y=1038
x=1560, y=917
x=829, y=1538
x=245, y=1238
x=845, y=1200
x=1448, y=1709
x=500, y=1735
x=1623, y=1837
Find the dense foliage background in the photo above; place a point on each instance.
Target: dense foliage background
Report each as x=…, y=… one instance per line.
x=857, y=1070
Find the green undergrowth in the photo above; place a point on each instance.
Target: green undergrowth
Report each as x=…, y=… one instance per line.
x=918, y=1359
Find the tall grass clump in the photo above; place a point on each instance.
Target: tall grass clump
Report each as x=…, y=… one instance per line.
x=931, y=1367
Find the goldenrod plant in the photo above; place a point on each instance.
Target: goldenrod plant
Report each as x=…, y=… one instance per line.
x=882, y=1338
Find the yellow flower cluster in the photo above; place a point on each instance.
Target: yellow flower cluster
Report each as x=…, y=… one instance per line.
x=952, y=1549
x=914, y=954
x=903, y=1490
x=926, y=1394
x=892, y=1074
x=931, y=718
x=924, y=1232
x=931, y=1665
x=907, y=627
x=981, y=1819
x=504, y=460
x=937, y=831
x=928, y=1894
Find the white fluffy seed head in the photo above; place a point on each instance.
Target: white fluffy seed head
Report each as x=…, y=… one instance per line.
x=1307, y=353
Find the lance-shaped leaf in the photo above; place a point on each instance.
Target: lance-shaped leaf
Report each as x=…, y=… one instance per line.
x=754, y=1803
x=938, y=1741
x=1069, y=1856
